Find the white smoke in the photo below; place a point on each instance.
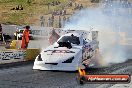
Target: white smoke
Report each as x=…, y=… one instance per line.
x=109, y=19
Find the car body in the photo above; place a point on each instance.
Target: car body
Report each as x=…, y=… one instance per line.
x=68, y=53
x=19, y=33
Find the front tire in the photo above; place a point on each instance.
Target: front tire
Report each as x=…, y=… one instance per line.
x=80, y=79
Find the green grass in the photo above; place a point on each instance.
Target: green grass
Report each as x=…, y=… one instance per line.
x=36, y=7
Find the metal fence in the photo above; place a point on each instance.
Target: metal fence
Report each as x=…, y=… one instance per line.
x=36, y=30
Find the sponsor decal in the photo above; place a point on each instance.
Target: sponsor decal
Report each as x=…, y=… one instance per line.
x=8, y=55
x=108, y=78
x=102, y=78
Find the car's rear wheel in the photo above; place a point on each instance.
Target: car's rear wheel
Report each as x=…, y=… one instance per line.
x=80, y=79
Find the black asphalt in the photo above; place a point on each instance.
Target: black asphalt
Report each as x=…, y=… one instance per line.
x=23, y=76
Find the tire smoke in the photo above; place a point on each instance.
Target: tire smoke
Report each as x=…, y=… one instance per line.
x=112, y=20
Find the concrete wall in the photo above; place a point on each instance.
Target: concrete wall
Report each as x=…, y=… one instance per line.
x=8, y=56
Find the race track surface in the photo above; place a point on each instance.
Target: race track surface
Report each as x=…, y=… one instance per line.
x=23, y=76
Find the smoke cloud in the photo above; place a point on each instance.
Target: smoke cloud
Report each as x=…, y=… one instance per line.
x=110, y=19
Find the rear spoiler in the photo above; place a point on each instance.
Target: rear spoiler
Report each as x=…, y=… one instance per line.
x=90, y=35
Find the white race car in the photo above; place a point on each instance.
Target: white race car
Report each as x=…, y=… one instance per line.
x=70, y=52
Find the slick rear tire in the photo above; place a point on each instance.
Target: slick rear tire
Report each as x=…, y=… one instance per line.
x=80, y=80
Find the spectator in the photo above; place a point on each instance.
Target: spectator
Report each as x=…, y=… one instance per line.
x=59, y=22
x=52, y=22
x=64, y=12
x=64, y=20
x=1, y=34
x=48, y=6
x=13, y=9
x=49, y=22
x=68, y=19
x=57, y=3
x=70, y=3
x=78, y=6
x=42, y=20
x=53, y=3
x=60, y=12
x=81, y=7
x=17, y=8
x=52, y=17
x=21, y=7
x=75, y=5
x=0, y=28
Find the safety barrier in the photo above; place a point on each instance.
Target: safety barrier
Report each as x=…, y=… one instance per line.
x=30, y=54
x=11, y=55
x=37, y=30
x=16, y=55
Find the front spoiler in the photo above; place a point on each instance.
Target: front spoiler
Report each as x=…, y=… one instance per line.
x=39, y=65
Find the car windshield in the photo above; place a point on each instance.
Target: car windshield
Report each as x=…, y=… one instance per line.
x=71, y=39
x=30, y=32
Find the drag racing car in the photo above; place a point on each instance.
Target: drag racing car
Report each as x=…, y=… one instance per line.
x=70, y=52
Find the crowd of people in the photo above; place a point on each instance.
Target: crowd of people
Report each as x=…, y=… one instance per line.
x=59, y=12
x=50, y=21
x=54, y=3
x=78, y=6
x=19, y=7
x=59, y=16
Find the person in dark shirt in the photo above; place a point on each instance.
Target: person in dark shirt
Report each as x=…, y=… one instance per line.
x=1, y=34
x=0, y=28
